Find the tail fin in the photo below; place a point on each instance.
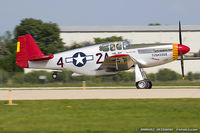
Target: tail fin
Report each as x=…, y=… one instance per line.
x=28, y=50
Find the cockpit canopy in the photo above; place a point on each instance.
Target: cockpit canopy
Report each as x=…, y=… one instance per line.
x=123, y=45
x=114, y=46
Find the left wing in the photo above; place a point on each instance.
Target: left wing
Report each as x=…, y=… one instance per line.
x=117, y=63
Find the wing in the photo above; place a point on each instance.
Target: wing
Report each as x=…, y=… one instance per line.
x=117, y=63
x=189, y=58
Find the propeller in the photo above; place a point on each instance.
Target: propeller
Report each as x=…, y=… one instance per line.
x=180, y=40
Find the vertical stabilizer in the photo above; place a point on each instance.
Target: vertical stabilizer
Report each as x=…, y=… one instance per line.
x=28, y=50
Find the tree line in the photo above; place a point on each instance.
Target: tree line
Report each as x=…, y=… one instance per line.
x=46, y=35
x=38, y=77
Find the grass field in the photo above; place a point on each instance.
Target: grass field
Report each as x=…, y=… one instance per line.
x=98, y=116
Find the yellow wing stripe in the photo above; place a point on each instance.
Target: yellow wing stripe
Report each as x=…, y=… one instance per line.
x=175, y=51
x=18, y=46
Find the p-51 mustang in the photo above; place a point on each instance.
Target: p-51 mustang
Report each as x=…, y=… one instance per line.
x=102, y=59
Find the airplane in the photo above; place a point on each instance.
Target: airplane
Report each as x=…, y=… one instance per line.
x=102, y=59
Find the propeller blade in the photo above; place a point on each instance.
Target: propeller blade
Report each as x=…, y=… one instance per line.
x=180, y=35
x=182, y=67
x=180, y=39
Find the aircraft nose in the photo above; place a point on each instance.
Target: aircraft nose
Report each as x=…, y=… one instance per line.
x=184, y=49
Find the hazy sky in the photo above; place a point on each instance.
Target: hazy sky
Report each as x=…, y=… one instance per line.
x=99, y=12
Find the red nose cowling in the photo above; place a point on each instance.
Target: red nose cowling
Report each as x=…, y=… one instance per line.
x=184, y=49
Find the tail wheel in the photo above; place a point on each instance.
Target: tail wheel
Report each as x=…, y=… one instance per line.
x=54, y=75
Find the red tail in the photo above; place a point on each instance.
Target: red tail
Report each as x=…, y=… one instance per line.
x=28, y=50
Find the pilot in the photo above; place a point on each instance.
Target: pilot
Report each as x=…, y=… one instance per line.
x=112, y=47
x=126, y=45
x=118, y=46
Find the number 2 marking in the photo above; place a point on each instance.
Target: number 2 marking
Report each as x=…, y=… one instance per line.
x=100, y=56
x=60, y=62
x=98, y=60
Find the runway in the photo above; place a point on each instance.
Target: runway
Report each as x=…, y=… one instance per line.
x=45, y=94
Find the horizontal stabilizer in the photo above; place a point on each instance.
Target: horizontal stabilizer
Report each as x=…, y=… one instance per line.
x=45, y=57
x=76, y=74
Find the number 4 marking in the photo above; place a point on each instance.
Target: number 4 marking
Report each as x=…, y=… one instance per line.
x=60, y=62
